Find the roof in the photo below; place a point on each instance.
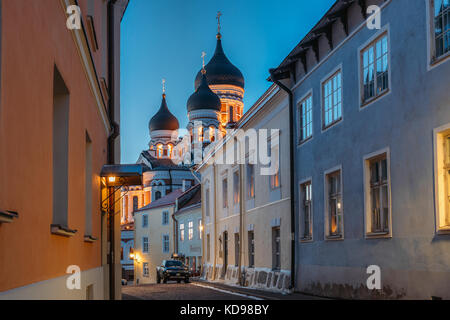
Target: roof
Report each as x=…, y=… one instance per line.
x=190, y=198
x=161, y=164
x=164, y=119
x=220, y=70
x=203, y=98
x=166, y=201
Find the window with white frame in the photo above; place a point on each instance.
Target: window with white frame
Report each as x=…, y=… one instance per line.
x=306, y=121
x=440, y=26
x=236, y=188
x=165, y=218
x=145, y=269
x=225, y=193
x=145, y=244
x=250, y=181
x=191, y=230
x=200, y=229
x=377, y=195
x=306, y=211
x=181, y=231
x=333, y=205
x=375, y=68
x=442, y=167
x=166, y=243
x=332, y=99
x=144, y=221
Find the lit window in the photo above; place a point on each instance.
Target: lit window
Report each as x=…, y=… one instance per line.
x=191, y=230
x=275, y=178
x=212, y=131
x=375, y=68
x=442, y=194
x=250, y=181
x=182, y=232
x=169, y=150
x=377, y=191
x=441, y=27
x=200, y=229
x=332, y=100
x=305, y=112
x=334, y=205
x=306, y=211
x=200, y=134
x=159, y=150
x=236, y=188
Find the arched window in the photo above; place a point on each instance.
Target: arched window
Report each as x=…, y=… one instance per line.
x=159, y=150
x=135, y=203
x=157, y=195
x=212, y=134
x=169, y=150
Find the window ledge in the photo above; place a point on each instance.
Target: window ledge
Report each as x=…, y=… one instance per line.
x=89, y=238
x=334, y=238
x=436, y=61
x=59, y=230
x=306, y=240
x=368, y=102
x=378, y=235
x=304, y=141
x=8, y=216
x=443, y=231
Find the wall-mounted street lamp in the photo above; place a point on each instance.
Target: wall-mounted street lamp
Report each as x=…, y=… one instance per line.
x=114, y=178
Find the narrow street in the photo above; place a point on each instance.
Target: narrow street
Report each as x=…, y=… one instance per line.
x=197, y=290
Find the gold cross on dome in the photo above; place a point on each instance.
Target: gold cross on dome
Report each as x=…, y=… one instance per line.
x=203, y=58
x=219, y=14
x=164, y=85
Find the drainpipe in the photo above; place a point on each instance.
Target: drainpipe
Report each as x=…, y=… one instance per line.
x=175, y=228
x=215, y=223
x=241, y=222
x=111, y=141
x=292, y=167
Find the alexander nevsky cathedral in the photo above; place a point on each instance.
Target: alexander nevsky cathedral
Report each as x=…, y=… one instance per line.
x=217, y=104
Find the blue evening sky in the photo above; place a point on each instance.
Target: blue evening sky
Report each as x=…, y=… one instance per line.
x=165, y=38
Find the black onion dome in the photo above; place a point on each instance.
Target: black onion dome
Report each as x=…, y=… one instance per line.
x=163, y=119
x=203, y=97
x=220, y=70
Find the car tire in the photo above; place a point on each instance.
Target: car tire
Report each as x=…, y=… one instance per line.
x=158, y=279
x=164, y=280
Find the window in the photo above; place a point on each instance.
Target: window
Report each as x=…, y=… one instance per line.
x=144, y=221
x=305, y=112
x=88, y=182
x=333, y=205
x=442, y=165
x=375, y=68
x=182, y=232
x=61, y=100
x=441, y=27
x=166, y=243
x=276, y=248
x=135, y=203
x=165, y=218
x=251, y=249
x=250, y=181
x=377, y=195
x=225, y=193
x=159, y=150
x=212, y=133
x=158, y=195
x=191, y=230
x=236, y=249
x=170, y=150
x=200, y=229
x=306, y=211
x=236, y=188
x=208, y=247
x=145, y=269
x=207, y=208
x=145, y=244
x=275, y=178
x=332, y=100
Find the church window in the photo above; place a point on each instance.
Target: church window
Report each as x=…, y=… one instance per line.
x=135, y=203
x=211, y=134
x=159, y=150
x=169, y=150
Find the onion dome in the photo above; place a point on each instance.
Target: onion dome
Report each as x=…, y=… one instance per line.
x=163, y=119
x=203, y=97
x=220, y=70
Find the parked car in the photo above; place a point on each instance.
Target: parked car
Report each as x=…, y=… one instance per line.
x=124, y=282
x=172, y=270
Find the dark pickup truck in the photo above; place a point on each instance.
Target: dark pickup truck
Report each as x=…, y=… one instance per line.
x=172, y=270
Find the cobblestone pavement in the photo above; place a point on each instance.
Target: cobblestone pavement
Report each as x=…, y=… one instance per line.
x=199, y=290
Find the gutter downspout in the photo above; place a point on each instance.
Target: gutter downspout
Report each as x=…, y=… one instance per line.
x=175, y=228
x=215, y=223
x=111, y=141
x=292, y=168
x=241, y=224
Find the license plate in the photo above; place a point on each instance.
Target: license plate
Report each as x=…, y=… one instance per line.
x=178, y=274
